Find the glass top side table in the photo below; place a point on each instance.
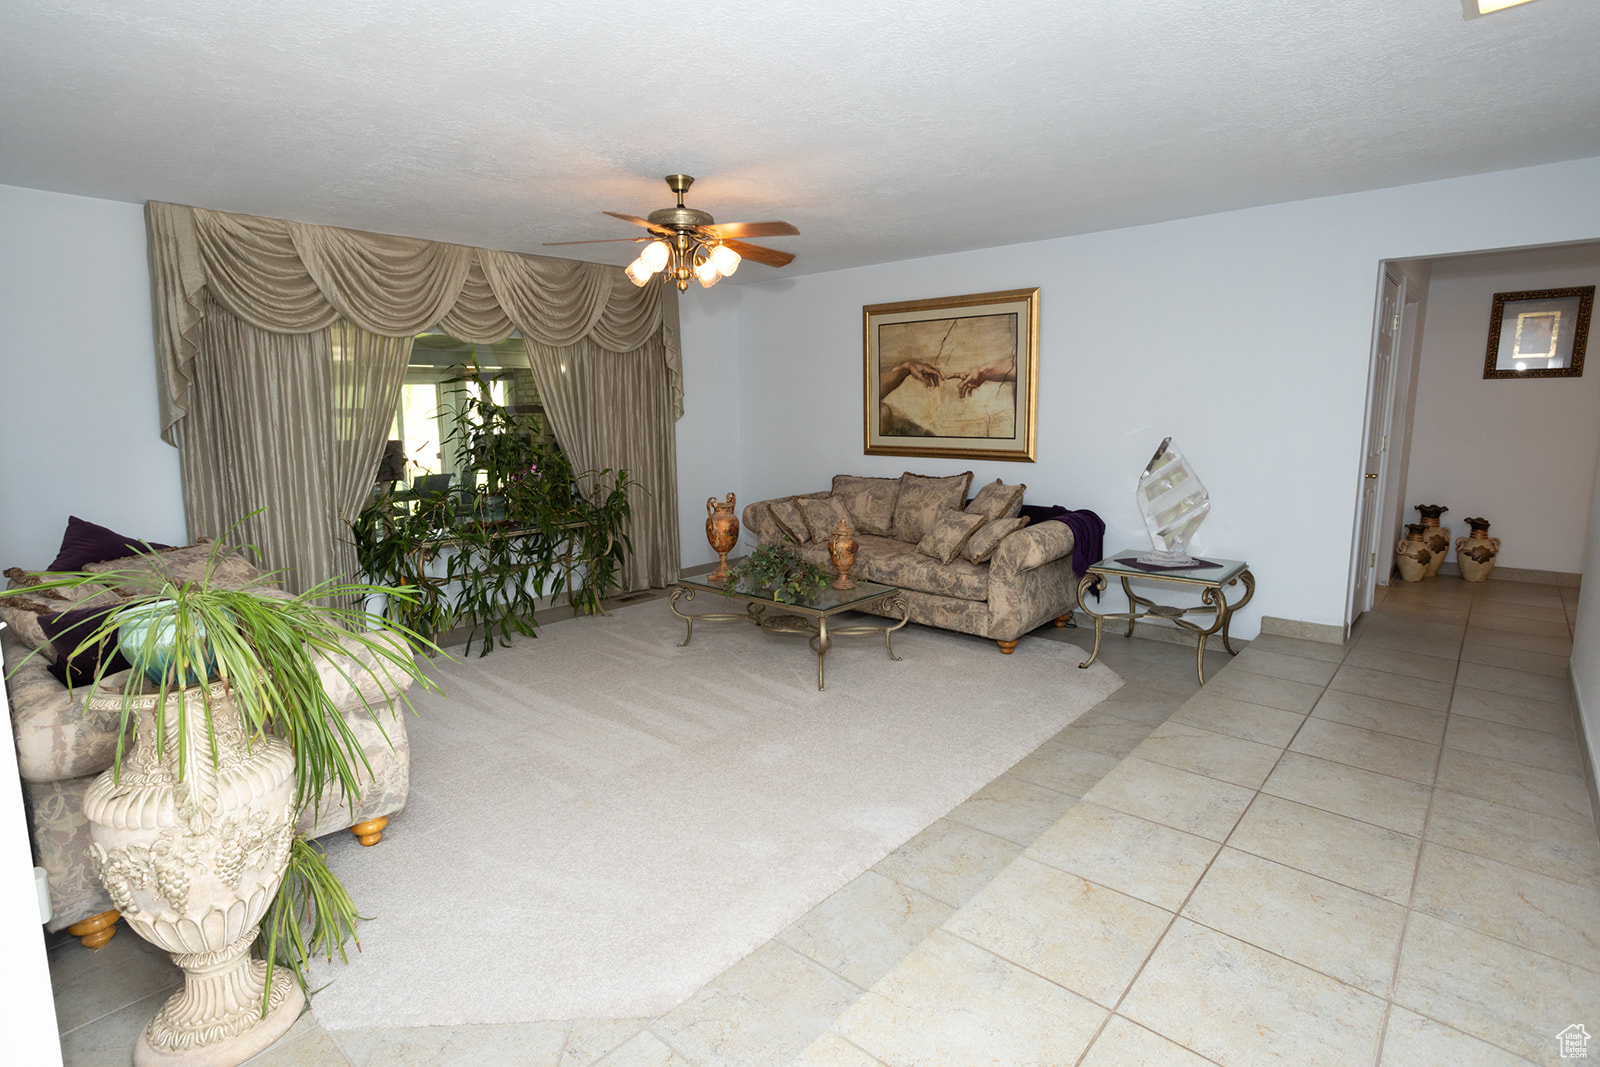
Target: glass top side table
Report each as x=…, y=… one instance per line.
x=1211, y=582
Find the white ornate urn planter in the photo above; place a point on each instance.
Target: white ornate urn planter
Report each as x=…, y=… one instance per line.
x=193, y=866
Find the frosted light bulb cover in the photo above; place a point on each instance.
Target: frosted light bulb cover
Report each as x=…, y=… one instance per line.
x=707, y=272
x=1173, y=504
x=638, y=273
x=726, y=260
x=655, y=256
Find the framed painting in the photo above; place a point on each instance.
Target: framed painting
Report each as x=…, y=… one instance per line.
x=957, y=376
x=1539, y=333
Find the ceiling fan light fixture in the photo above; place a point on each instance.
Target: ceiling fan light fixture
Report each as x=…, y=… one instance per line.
x=1471, y=9
x=706, y=271
x=638, y=272
x=655, y=256
x=725, y=259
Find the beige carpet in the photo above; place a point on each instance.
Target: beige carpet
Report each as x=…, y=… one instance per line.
x=600, y=821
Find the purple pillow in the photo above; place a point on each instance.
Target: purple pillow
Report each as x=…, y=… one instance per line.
x=85, y=543
x=66, y=631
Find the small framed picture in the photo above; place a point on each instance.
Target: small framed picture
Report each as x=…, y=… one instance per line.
x=955, y=376
x=1539, y=333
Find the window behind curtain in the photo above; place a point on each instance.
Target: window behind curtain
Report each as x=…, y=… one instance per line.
x=431, y=396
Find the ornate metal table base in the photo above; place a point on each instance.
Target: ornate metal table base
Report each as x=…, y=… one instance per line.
x=802, y=618
x=1213, y=601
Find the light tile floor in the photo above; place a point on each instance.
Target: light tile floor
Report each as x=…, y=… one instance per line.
x=1380, y=853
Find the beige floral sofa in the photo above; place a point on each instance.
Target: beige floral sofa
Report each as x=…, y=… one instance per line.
x=62, y=746
x=977, y=566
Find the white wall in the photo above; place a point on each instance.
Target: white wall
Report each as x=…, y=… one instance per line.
x=1586, y=641
x=1520, y=453
x=77, y=377
x=708, y=436
x=1246, y=336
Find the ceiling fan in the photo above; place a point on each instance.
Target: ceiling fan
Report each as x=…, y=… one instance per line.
x=688, y=244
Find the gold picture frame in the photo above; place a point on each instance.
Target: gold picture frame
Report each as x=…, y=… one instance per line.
x=1539, y=333
x=956, y=377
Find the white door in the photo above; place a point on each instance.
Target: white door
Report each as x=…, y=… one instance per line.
x=1380, y=410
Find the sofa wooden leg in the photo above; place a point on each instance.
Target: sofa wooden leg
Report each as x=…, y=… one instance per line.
x=371, y=831
x=1007, y=647
x=96, y=931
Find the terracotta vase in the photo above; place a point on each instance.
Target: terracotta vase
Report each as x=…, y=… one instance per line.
x=1438, y=537
x=842, y=548
x=722, y=530
x=1475, y=553
x=193, y=864
x=1412, y=555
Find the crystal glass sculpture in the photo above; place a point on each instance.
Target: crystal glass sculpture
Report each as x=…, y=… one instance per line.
x=1173, y=504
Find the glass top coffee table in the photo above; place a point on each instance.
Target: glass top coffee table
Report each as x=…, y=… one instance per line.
x=810, y=616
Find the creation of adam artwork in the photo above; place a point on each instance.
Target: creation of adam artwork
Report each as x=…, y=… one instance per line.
x=954, y=377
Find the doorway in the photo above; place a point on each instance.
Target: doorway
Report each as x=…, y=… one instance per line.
x=1521, y=453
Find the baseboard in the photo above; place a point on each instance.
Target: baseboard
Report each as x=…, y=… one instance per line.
x=1519, y=574
x=1327, y=633
x=699, y=568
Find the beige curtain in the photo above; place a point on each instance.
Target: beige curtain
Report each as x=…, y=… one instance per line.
x=288, y=279
x=284, y=433
x=610, y=409
x=368, y=371
x=261, y=414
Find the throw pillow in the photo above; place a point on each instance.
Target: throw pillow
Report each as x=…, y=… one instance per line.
x=822, y=515
x=949, y=533
x=922, y=500
x=982, y=544
x=86, y=542
x=21, y=616
x=791, y=520
x=998, y=501
x=869, y=502
x=187, y=564
x=66, y=631
x=21, y=613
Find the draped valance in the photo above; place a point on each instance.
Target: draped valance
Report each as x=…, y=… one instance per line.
x=290, y=277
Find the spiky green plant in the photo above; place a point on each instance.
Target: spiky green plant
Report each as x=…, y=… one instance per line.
x=265, y=645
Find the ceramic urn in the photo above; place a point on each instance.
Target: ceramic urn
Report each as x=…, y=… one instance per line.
x=193, y=864
x=1475, y=553
x=1412, y=555
x=842, y=549
x=1438, y=537
x=722, y=531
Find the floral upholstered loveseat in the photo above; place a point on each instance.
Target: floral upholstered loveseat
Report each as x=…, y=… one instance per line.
x=978, y=566
x=62, y=746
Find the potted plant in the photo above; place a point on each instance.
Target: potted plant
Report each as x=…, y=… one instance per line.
x=523, y=526
x=776, y=569
x=233, y=735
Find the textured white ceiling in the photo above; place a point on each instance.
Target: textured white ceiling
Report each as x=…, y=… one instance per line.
x=883, y=131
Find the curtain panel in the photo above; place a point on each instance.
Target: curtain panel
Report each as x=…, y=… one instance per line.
x=281, y=347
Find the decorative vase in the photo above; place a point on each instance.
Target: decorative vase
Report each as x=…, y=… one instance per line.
x=1438, y=537
x=1475, y=553
x=1412, y=555
x=722, y=530
x=842, y=548
x=194, y=863
x=147, y=634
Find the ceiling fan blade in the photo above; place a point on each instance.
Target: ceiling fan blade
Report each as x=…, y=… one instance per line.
x=636, y=220
x=770, y=256
x=595, y=241
x=727, y=230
